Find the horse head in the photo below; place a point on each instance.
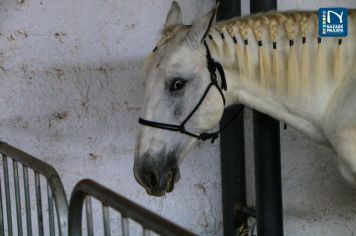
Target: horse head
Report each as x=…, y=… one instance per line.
x=183, y=94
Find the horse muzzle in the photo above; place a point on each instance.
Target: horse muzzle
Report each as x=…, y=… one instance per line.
x=157, y=177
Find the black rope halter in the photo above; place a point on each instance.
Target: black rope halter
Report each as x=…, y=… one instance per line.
x=212, y=67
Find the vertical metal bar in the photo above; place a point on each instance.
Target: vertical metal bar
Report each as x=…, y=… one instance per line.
x=261, y=6
x=50, y=211
x=146, y=232
x=17, y=197
x=89, y=215
x=27, y=200
x=2, y=226
x=228, y=9
x=233, y=172
x=7, y=195
x=268, y=176
x=267, y=160
x=39, y=204
x=232, y=150
x=125, y=226
x=106, y=220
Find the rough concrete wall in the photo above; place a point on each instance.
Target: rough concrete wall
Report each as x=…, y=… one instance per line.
x=70, y=94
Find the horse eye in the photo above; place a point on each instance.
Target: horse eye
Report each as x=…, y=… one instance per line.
x=177, y=84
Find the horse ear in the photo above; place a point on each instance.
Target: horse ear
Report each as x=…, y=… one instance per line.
x=200, y=28
x=174, y=15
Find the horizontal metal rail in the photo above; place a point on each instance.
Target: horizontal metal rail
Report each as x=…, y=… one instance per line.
x=55, y=190
x=128, y=209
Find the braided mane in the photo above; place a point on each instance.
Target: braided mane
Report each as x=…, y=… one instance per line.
x=286, y=42
x=278, y=38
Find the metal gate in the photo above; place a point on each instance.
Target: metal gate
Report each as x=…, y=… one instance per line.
x=15, y=192
x=86, y=189
x=24, y=210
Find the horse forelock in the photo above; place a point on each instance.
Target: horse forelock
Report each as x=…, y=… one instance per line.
x=173, y=35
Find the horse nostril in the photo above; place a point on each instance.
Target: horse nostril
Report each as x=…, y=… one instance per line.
x=153, y=180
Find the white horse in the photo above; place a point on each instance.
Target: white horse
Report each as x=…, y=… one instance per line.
x=273, y=62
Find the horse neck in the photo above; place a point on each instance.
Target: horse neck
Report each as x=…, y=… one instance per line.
x=292, y=82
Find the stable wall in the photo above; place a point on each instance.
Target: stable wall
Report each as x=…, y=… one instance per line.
x=71, y=94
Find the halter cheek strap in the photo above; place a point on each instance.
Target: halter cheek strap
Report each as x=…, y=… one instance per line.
x=212, y=67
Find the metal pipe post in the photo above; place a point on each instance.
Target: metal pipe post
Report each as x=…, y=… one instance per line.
x=267, y=160
x=232, y=151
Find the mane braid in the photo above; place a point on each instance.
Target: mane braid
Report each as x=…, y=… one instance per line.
x=233, y=32
x=263, y=62
x=339, y=61
x=305, y=57
x=213, y=44
x=247, y=53
x=276, y=59
x=319, y=63
x=229, y=56
x=293, y=70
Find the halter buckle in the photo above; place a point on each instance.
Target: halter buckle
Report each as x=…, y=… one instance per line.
x=206, y=136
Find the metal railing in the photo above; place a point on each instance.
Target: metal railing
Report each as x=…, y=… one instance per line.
x=55, y=193
x=149, y=221
x=17, y=217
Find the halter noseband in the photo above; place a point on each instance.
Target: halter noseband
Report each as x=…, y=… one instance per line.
x=212, y=67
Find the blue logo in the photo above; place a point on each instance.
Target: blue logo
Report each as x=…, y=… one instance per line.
x=333, y=22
